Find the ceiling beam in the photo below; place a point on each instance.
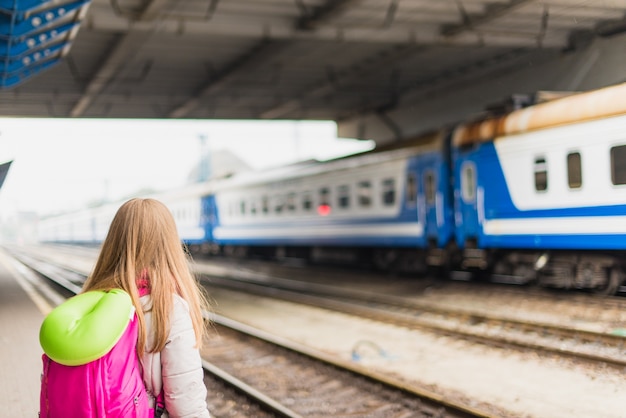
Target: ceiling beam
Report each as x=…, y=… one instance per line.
x=107, y=71
x=308, y=22
x=368, y=66
x=241, y=64
x=424, y=33
x=322, y=14
x=450, y=33
x=120, y=53
x=471, y=22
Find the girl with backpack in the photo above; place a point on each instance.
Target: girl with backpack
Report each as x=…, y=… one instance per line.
x=143, y=258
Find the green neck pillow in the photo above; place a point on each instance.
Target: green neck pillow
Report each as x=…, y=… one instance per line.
x=86, y=326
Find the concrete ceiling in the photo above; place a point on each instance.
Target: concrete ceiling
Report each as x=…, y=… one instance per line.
x=293, y=59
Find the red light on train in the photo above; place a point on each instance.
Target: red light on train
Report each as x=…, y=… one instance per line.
x=323, y=210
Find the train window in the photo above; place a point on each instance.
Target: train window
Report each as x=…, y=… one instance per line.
x=324, y=206
x=324, y=196
x=574, y=170
x=307, y=201
x=279, y=204
x=253, y=207
x=618, y=165
x=429, y=187
x=468, y=182
x=291, y=202
x=265, y=204
x=411, y=189
x=343, y=196
x=389, y=192
x=364, y=193
x=541, y=174
x=242, y=207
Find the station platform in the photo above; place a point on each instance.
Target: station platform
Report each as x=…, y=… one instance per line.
x=21, y=312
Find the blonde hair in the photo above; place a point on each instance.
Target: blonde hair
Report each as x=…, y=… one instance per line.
x=143, y=238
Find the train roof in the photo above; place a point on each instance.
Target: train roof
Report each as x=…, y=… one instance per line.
x=431, y=142
x=579, y=107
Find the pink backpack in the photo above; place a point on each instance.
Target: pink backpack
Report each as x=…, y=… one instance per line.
x=109, y=386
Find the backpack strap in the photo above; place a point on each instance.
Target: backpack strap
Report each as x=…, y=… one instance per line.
x=143, y=285
x=44, y=404
x=159, y=407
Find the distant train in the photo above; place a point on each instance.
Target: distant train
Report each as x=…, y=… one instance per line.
x=535, y=194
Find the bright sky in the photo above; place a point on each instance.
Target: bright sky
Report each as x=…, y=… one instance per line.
x=61, y=165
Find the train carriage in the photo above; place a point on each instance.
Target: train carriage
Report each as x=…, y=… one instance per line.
x=85, y=227
x=370, y=204
x=546, y=200
x=90, y=226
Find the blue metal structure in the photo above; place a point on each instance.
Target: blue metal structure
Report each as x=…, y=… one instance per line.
x=35, y=35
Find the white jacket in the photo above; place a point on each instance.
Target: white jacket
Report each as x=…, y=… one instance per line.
x=178, y=367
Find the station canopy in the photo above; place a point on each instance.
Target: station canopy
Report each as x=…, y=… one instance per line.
x=270, y=59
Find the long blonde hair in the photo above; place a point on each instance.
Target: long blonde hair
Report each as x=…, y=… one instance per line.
x=143, y=238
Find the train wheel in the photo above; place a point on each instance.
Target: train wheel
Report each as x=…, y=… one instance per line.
x=235, y=251
x=385, y=260
x=615, y=277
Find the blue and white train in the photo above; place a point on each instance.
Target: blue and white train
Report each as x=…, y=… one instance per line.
x=537, y=194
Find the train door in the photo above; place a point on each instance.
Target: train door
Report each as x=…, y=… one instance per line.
x=468, y=200
x=208, y=217
x=429, y=180
x=434, y=207
x=413, y=199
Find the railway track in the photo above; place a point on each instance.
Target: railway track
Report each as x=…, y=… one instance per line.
x=581, y=345
x=312, y=384
x=263, y=373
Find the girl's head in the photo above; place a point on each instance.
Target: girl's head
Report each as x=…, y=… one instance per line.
x=143, y=238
